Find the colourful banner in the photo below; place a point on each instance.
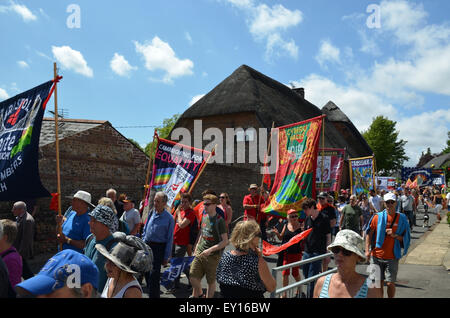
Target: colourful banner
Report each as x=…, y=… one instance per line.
x=385, y=183
x=296, y=166
x=175, y=167
x=422, y=175
x=269, y=249
x=329, y=179
x=362, y=175
x=21, y=120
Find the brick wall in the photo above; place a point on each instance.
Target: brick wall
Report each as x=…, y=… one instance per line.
x=93, y=160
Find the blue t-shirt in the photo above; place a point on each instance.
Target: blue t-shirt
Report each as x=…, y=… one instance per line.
x=98, y=259
x=76, y=227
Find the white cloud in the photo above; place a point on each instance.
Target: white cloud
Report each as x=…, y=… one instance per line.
x=428, y=129
x=267, y=24
x=120, y=65
x=158, y=55
x=328, y=53
x=3, y=94
x=72, y=60
x=195, y=99
x=20, y=9
x=22, y=64
x=359, y=106
x=188, y=37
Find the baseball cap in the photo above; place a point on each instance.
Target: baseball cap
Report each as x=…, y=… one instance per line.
x=58, y=269
x=322, y=195
x=128, y=199
x=253, y=186
x=389, y=196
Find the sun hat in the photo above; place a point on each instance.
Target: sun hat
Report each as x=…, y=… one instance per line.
x=105, y=215
x=253, y=186
x=83, y=196
x=322, y=195
x=389, y=196
x=59, y=270
x=130, y=254
x=351, y=241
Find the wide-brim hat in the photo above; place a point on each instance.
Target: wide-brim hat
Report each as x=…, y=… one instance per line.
x=323, y=195
x=121, y=255
x=83, y=196
x=351, y=241
x=253, y=186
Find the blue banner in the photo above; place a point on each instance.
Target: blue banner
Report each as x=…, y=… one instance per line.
x=21, y=120
x=177, y=266
x=423, y=176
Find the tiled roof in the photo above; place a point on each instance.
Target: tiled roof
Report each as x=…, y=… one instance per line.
x=67, y=127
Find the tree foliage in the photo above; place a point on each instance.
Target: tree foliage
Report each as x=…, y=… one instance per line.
x=163, y=132
x=447, y=150
x=388, y=150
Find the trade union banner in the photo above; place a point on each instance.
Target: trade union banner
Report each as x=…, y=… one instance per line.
x=385, y=183
x=21, y=120
x=362, y=175
x=296, y=167
x=330, y=163
x=175, y=167
x=422, y=176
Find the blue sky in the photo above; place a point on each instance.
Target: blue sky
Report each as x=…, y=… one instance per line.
x=135, y=63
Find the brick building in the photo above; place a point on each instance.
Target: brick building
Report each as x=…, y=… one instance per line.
x=93, y=157
x=248, y=99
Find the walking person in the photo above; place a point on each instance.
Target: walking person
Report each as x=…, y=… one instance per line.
x=212, y=240
x=25, y=236
x=366, y=209
x=293, y=253
x=348, y=250
x=330, y=212
x=407, y=202
x=225, y=205
x=252, y=208
x=131, y=216
x=158, y=234
x=390, y=232
x=129, y=257
x=352, y=218
x=317, y=241
x=243, y=272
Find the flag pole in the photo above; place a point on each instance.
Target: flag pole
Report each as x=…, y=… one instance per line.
x=202, y=169
x=323, y=153
x=58, y=176
x=265, y=156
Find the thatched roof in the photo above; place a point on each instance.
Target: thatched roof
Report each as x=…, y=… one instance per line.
x=438, y=162
x=247, y=90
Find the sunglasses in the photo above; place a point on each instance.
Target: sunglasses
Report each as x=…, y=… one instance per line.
x=207, y=204
x=390, y=202
x=293, y=216
x=222, y=197
x=337, y=249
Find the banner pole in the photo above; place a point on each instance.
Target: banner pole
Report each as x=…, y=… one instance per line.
x=266, y=155
x=202, y=169
x=58, y=175
x=323, y=153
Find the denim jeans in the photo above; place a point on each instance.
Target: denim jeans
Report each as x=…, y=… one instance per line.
x=311, y=269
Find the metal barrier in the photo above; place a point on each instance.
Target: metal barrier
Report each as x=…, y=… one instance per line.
x=289, y=289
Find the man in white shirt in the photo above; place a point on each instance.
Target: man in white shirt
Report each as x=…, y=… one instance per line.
x=376, y=201
x=131, y=215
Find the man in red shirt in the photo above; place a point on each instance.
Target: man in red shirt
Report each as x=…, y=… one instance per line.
x=184, y=218
x=252, y=209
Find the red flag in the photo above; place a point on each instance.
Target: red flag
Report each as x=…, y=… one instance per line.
x=54, y=202
x=269, y=249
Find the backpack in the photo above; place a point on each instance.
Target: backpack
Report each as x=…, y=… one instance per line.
x=108, y=245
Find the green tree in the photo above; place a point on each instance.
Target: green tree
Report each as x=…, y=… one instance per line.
x=447, y=150
x=134, y=142
x=163, y=132
x=388, y=150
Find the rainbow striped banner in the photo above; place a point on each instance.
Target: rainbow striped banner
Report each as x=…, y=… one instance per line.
x=175, y=167
x=296, y=167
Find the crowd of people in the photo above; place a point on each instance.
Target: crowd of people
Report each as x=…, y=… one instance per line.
x=107, y=249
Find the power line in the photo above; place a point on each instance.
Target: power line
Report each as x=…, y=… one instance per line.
x=136, y=126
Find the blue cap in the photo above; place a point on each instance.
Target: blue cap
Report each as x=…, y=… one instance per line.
x=58, y=269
